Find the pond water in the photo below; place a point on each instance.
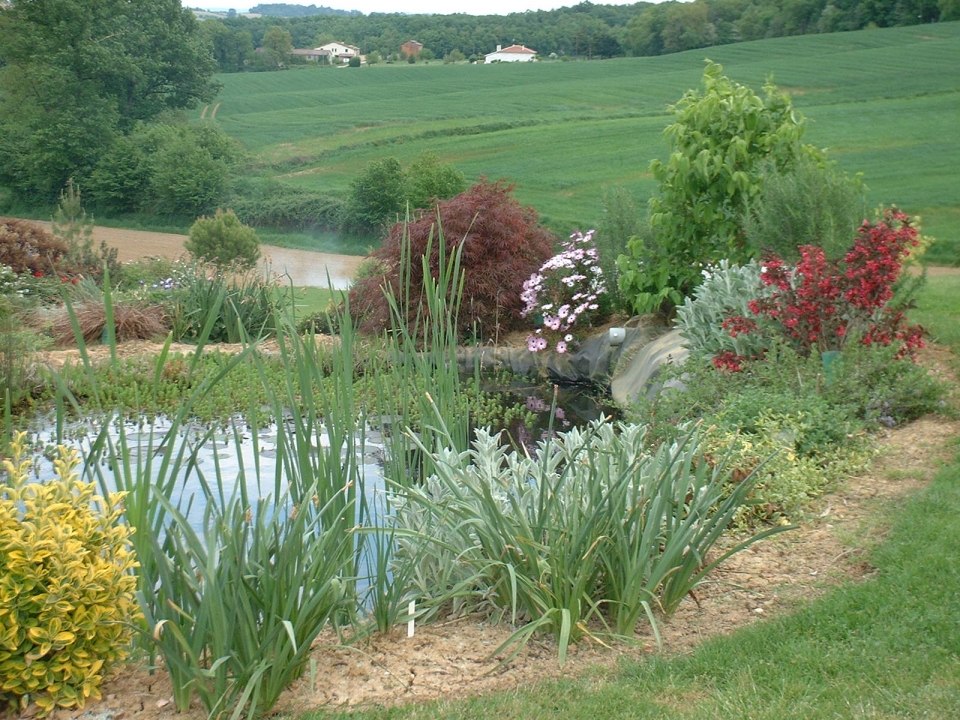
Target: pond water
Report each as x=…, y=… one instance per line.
x=221, y=456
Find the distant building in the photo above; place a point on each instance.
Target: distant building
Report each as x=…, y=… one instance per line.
x=411, y=48
x=340, y=52
x=314, y=55
x=514, y=53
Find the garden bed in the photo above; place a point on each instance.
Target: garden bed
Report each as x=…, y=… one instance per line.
x=451, y=660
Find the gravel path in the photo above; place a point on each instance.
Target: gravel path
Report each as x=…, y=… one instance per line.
x=303, y=267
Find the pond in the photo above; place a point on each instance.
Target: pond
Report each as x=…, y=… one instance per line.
x=221, y=456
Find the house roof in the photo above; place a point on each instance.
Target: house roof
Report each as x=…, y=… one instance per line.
x=330, y=46
x=412, y=42
x=515, y=49
x=316, y=51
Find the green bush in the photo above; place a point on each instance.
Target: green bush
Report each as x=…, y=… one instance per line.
x=722, y=141
x=120, y=181
x=812, y=203
x=381, y=194
x=67, y=593
x=726, y=291
x=270, y=204
x=230, y=308
x=428, y=180
x=800, y=428
x=171, y=167
x=377, y=197
x=71, y=224
x=224, y=241
x=881, y=390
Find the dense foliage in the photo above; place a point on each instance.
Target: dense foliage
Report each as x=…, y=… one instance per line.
x=67, y=592
x=501, y=245
x=811, y=203
x=224, y=241
x=76, y=76
x=166, y=167
x=724, y=140
x=383, y=191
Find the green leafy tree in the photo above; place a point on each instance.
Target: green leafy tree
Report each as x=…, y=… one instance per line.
x=232, y=49
x=723, y=137
x=277, y=46
x=377, y=196
x=120, y=180
x=428, y=179
x=170, y=167
x=224, y=241
x=76, y=73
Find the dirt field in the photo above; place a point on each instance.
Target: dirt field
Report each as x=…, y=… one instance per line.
x=303, y=267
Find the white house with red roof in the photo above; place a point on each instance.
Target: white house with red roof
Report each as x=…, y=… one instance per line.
x=514, y=53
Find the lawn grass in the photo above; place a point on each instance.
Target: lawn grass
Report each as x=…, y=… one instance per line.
x=938, y=310
x=884, y=101
x=312, y=300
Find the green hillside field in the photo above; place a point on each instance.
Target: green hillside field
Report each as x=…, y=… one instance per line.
x=884, y=102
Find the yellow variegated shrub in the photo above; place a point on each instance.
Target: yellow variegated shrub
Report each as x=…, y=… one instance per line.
x=67, y=593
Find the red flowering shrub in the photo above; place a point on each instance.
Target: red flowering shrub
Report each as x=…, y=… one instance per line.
x=28, y=248
x=502, y=243
x=819, y=304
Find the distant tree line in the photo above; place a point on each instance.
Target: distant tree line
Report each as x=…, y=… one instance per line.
x=581, y=31
x=291, y=11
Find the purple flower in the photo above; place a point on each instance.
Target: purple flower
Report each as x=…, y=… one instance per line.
x=561, y=347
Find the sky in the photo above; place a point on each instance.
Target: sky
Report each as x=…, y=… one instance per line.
x=440, y=7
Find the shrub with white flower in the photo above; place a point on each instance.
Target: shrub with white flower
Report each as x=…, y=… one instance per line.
x=564, y=294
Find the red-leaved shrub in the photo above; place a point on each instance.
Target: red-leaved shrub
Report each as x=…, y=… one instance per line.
x=820, y=304
x=502, y=244
x=28, y=248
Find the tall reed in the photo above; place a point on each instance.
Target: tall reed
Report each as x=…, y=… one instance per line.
x=419, y=381
x=234, y=599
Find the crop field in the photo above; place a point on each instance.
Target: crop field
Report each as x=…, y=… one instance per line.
x=885, y=102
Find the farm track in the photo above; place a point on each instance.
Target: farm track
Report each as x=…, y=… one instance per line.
x=304, y=268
